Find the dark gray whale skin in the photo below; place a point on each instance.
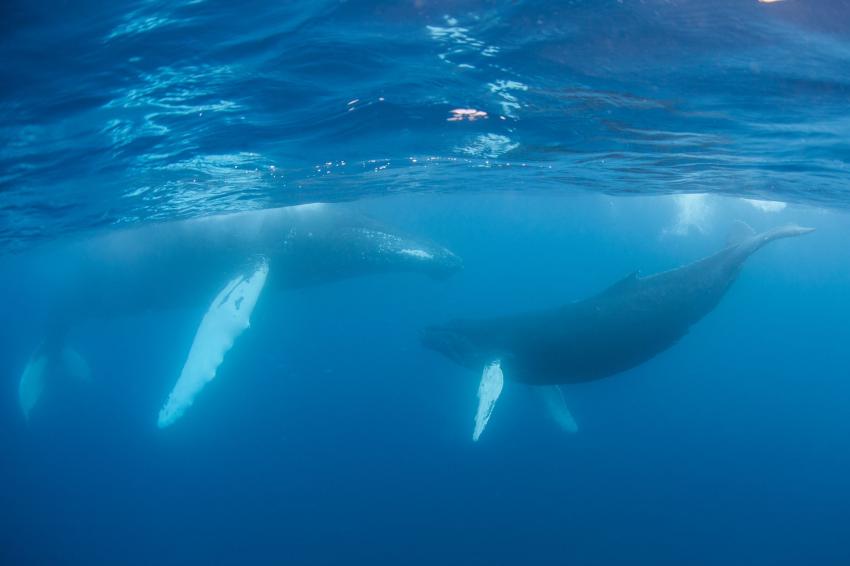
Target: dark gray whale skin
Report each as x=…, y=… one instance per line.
x=184, y=264
x=618, y=329
x=196, y=263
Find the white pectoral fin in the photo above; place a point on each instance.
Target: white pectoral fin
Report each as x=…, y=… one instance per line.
x=492, y=381
x=553, y=398
x=31, y=384
x=48, y=364
x=75, y=366
x=227, y=317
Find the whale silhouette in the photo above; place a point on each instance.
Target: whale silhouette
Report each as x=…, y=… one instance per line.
x=618, y=329
x=224, y=262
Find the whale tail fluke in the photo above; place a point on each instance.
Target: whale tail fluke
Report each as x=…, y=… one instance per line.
x=46, y=365
x=787, y=231
x=744, y=248
x=740, y=233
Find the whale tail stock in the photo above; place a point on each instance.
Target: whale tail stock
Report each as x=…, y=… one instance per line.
x=743, y=241
x=748, y=241
x=52, y=360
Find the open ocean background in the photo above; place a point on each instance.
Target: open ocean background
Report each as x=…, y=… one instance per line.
x=554, y=146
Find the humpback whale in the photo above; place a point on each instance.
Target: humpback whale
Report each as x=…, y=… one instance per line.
x=606, y=334
x=224, y=262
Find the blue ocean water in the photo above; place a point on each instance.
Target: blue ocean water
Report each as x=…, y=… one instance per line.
x=554, y=147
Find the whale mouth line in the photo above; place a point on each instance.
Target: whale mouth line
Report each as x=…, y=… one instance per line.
x=445, y=341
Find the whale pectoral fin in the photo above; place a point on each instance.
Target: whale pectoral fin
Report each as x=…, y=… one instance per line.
x=226, y=318
x=49, y=363
x=492, y=381
x=75, y=365
x=31, y=384
x=553, y=398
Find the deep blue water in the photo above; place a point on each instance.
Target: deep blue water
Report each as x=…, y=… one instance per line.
x=555, y=147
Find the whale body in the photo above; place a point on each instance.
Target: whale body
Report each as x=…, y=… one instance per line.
x=224, y=262
x=611, y=332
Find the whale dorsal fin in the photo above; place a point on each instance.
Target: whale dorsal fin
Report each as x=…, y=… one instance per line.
x=629, y=279
x=738, y=232
x=623, y=284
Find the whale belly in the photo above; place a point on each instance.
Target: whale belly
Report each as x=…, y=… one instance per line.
x=587, y=348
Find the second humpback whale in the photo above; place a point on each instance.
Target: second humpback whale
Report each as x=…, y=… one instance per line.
x=222, y=262
x=618, y=329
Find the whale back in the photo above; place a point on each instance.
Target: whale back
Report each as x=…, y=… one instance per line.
x=617, y=329
x=184, y=263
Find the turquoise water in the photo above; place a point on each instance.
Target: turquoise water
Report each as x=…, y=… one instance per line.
x=553, y=149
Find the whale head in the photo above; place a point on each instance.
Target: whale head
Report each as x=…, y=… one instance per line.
x=431, y=259
x=451, y=341
x=324, y=244
x=381, y=249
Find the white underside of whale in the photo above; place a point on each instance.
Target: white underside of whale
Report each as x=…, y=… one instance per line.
x=226, y=319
